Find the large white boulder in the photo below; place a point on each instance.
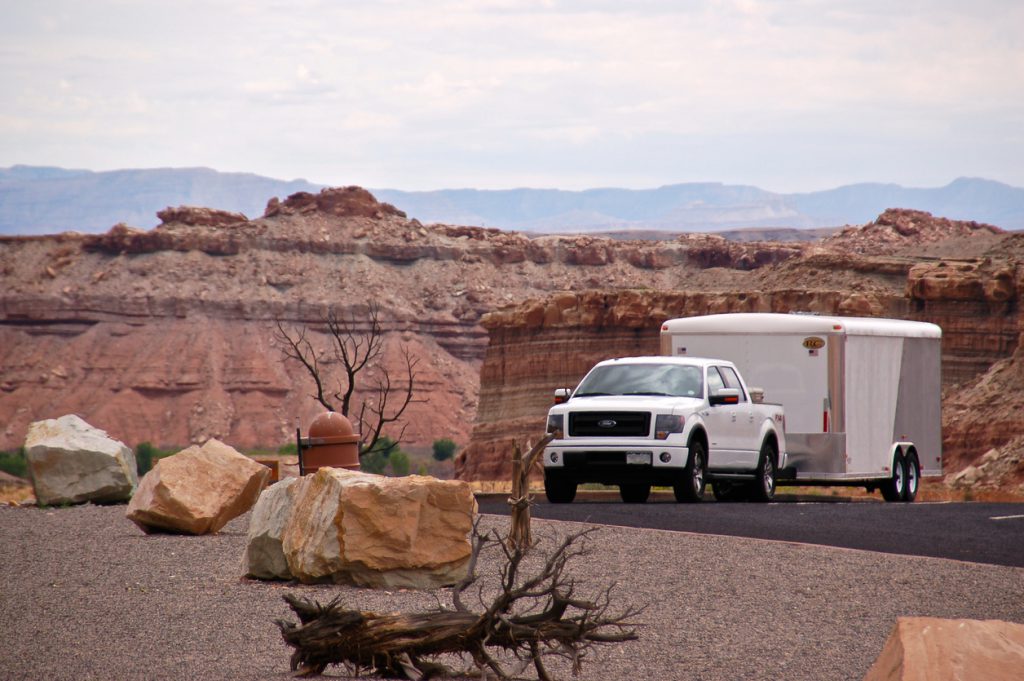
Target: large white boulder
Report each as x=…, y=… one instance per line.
x=264, y=555
x=198, y=490
x=369, y=530
x=933, y=649
x=71, y=463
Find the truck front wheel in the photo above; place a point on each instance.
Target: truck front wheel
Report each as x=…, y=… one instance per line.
x=558, y=489
x=690, y=487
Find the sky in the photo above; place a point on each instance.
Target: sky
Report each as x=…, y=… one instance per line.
x=789, y=96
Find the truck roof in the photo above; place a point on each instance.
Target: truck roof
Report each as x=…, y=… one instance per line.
x=662, y=359
x=774, y=323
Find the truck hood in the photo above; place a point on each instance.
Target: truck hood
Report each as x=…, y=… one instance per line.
x=661, y=405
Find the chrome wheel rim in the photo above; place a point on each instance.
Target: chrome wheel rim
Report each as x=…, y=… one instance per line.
x=768, y=481
x=898, y=478
x=698, y=472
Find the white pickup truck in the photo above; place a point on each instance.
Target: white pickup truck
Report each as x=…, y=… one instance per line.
x=673, y=421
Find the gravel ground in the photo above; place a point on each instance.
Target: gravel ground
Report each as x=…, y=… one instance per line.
x=86, y=595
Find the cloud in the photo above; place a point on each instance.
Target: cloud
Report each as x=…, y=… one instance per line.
x=419, y=95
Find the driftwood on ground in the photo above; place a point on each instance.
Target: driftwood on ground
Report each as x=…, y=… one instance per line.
x=531, y=616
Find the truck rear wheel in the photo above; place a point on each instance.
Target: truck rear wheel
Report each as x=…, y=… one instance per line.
x=691, y=486
x=558, y=489
x=913, y=476
x=634, y=493
x=894, y=487
x=763, y=489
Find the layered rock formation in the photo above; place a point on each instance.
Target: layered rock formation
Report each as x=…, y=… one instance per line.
x=969, y=283
x=165, y=335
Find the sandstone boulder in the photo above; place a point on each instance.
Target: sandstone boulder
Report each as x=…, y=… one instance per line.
x=198, y=490
x=932, y=649
x=71, y=463
x=369, y=530
x=264, y=555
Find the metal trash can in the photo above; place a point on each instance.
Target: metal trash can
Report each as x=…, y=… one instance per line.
x=331, y=443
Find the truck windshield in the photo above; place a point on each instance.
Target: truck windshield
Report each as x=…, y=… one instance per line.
x=642, y=379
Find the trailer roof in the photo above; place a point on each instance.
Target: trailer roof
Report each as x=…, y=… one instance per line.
x=768, y=322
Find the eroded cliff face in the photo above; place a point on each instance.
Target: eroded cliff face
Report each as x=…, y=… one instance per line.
x=164, y=335
x=968, y=281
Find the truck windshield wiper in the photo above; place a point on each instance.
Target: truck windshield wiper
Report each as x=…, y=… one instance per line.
x=652, y=393
x=591, y=394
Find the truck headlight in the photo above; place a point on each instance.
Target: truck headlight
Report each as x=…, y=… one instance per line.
x=555, y=423
x=666, y=424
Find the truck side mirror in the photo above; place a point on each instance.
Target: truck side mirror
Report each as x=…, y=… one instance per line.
x=562, y=395
x=724, y=396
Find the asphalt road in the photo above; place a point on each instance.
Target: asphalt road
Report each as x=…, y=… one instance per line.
x=977, y=532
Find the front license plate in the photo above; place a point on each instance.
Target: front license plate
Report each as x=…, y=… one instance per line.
x=638, y=458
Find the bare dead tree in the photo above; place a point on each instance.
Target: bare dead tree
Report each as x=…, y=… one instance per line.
x=533, y=617
x=348, y=371
x=519, y=534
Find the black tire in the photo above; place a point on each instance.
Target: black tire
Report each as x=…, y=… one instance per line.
x=558, y=489
x=728, y=491
x=894, y=487
x=634, y=492
x=690, y=488
x=763, y=489
x=912, y=468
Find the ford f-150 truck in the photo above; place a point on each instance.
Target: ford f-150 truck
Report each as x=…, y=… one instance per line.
x=668, y=421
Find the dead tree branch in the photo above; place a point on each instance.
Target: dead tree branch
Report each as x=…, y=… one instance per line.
x=533, y=617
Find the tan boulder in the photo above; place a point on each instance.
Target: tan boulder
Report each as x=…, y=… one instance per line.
x=932, y=649
x=198, y=490
x=72, y=462
x=264, y=555
x=374, y=531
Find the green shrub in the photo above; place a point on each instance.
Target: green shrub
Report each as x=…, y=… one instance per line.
x=399, y=462
x=444, y=449
x=14, y=463
x=146, y=456
x=289, y=449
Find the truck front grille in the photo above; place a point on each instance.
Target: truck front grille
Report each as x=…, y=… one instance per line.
x=609, y=424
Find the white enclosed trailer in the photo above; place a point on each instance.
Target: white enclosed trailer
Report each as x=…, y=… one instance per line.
x=862, y=396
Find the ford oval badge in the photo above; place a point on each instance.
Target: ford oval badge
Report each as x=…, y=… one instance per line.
x=606, y=423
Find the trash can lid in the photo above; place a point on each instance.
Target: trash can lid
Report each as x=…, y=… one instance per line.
x=330, y=424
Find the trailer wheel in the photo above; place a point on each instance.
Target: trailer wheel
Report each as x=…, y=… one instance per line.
x=558, y=489
x=894, y=487
x=691, y=486
x=763, y=489
x=634, y=492
x=913, y=476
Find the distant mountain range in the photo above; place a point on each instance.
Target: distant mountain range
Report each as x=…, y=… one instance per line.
x=39, y=200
